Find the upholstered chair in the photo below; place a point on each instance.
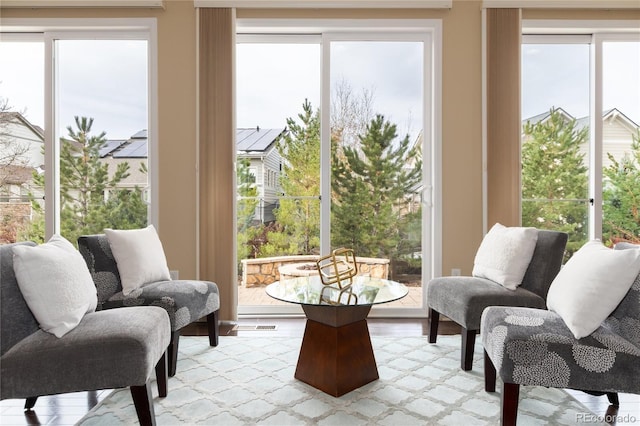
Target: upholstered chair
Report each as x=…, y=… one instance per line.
x=185, y=301
x=462, y=299
x=534, y=347
x=106, y=350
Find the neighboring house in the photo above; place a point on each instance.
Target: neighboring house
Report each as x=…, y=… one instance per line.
x=617, y=132
x=259, y=147
x=133, y=151
x=21, y=155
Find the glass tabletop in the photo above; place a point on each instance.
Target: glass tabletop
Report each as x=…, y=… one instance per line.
x=311, y=291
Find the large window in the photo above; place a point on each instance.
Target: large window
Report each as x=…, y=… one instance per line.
x=580, y=149
x=87, y=128
x=335, y=143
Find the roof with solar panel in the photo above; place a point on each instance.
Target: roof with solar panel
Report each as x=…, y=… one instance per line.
x=253, y=140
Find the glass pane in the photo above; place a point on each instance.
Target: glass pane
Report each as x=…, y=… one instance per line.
x=621, y=142
x=278, y=164
x=555, y=139
x=21, y=141
x=101, y=125
x=376, y=136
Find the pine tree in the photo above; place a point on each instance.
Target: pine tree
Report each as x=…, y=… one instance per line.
x=297, y=229
x=369, y=183
x=247, y=229
x=621, y=197
x=83, y=182
x=554, y=178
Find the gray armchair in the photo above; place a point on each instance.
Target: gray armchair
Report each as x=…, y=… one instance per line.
x=108, y=349
x=462, y=299
x=534, y=347
x=184, y=300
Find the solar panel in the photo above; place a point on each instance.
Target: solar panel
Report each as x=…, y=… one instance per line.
x=133, y=149
x=256, y=139
x=109, y=146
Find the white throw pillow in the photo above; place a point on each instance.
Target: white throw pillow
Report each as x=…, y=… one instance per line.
x=56, y=284
x=140, y=257
x=504, y=255
x=591, y=285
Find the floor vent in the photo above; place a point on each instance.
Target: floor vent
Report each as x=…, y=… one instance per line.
x=255, y=327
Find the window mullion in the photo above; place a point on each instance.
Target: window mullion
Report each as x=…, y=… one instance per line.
x=595, y=140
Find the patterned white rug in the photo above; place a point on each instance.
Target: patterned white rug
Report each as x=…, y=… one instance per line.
x=249, y=380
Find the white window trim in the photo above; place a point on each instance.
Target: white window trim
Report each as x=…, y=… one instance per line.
x=69, y=28
x=83, y=3
x=327, y=4
x=560, y=4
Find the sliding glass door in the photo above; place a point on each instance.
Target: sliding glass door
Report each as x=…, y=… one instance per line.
x=376, y=140
x=333, y=150
x=581, y=132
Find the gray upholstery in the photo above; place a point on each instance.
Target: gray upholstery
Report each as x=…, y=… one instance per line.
x=463, y=299
x=17, y=320
x=108, y=349
x=184, y=300
x=525, y=346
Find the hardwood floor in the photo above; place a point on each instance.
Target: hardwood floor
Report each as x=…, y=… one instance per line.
x=67, y=409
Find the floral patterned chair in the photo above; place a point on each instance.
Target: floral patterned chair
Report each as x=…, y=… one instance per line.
x=534, y=347
x=185, y=301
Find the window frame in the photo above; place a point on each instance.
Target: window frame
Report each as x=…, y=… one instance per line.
x=50, y=30
x=324, y=31
x=594, y=33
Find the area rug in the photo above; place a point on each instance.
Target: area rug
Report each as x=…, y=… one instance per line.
x=249, y=381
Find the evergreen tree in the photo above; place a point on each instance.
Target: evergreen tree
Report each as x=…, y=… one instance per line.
x=621, y=197
x=297, y=229
x=83, y=182
x=370, y=182
x=554, y=178
x=247, y=229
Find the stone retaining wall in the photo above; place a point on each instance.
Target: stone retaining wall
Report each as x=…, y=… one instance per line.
x=264, y=271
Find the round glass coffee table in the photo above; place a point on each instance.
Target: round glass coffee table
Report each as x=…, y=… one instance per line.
x=336, y=356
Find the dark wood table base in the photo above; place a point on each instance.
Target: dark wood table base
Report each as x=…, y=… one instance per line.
x=336, y=356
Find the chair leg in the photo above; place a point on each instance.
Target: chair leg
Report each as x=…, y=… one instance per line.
x=468, y=344
x=613, y=399
x=434, y=319
x=172, y=352
x=212, y=325
x=30, y=402
x=143, y=401
x=510, y=396
x=489, y=374
x=162, y=376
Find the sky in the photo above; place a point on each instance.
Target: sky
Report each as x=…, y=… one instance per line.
x=558, y=76
x=107, y=81
x=290, y=73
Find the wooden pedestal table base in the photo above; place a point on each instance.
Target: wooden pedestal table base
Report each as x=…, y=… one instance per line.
x=336, y=356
